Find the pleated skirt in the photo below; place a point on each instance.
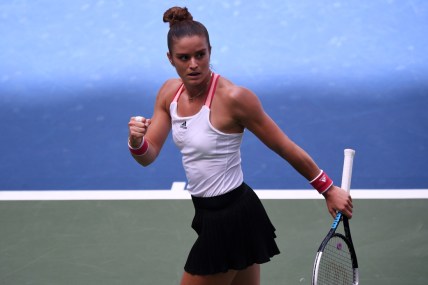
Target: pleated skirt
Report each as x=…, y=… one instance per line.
x=234, y=232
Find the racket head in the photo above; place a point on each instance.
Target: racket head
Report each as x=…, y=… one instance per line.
x=335, y=262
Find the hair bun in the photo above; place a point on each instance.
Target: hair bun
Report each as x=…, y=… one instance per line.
x=176, y=14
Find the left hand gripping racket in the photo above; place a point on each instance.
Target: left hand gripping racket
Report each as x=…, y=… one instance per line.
x=336, y=261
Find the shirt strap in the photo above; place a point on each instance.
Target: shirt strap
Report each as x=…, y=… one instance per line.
x=213, y=87
x=179, y=91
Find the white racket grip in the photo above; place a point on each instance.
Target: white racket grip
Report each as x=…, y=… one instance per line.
x=347, y=169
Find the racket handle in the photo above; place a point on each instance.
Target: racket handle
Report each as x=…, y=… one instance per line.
x=347, y=169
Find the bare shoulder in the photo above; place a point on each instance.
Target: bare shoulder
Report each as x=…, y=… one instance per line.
x=238, y=102
x=235, y=94
x=169, y=88
x=167, y=92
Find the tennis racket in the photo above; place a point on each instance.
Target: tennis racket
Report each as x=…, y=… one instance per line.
x=336, y=262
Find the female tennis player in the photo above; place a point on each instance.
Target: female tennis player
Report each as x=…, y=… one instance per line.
x=207, y=114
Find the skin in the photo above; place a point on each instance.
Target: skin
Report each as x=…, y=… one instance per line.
x=233, y=109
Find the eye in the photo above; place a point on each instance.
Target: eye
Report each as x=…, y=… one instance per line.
x=200, y=55
x=183, y=57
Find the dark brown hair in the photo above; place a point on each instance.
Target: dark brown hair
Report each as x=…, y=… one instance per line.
x=181, y=24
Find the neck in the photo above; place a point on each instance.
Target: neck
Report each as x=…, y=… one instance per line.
x=199, y=91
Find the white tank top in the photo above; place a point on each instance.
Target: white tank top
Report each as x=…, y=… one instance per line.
x=211, y=158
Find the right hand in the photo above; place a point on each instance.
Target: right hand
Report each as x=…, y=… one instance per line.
x=338, y=200
x=137, y=130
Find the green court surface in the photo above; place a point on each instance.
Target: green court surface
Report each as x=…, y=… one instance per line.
x=146, y=241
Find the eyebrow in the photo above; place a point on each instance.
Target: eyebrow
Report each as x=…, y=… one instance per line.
x=198, y=51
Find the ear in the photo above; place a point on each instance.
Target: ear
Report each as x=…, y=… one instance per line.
x=170, y=58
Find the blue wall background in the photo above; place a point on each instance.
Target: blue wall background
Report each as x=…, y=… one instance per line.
x=333, y=74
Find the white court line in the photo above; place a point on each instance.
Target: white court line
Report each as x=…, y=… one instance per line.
x=178, y=192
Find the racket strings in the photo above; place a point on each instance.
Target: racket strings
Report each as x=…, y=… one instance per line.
x=335, y=267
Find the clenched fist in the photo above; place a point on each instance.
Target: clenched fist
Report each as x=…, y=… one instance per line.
x=137, y=130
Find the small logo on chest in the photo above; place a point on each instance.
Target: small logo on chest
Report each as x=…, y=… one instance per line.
x=183, y=125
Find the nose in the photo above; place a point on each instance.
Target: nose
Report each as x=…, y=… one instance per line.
x=193, y=63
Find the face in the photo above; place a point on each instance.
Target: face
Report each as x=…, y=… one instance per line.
x=191, y=59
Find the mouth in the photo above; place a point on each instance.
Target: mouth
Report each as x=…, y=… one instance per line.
x=194, y=74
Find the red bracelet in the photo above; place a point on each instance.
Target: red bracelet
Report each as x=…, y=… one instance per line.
x=322, y=182
x=141, y=150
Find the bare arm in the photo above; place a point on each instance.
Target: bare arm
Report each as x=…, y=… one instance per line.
x=155, y=130
x=249, y=112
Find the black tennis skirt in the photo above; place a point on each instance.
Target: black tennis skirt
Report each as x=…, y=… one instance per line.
x=234, y=232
